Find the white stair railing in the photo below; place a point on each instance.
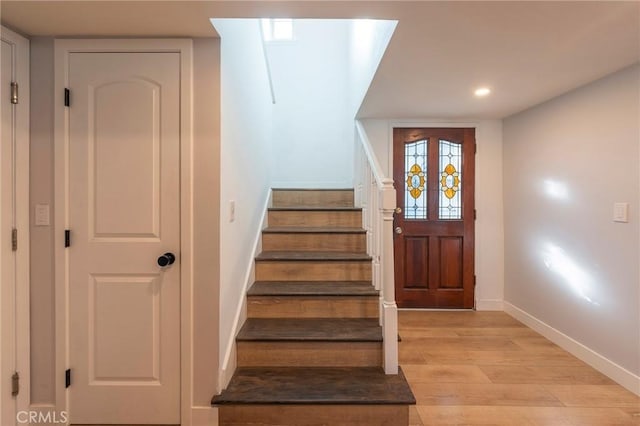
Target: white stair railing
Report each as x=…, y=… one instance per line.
x=375, y=194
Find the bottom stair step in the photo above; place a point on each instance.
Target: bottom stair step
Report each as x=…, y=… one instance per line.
x=316, y=386
x=315, y=396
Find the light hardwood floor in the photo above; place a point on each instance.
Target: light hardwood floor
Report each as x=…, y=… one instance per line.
x=486, y=368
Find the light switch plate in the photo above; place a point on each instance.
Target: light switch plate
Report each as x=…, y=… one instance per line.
x=42, y=215
x=232, y=210
x=621, y=212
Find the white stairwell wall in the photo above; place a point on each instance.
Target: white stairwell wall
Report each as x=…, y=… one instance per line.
x=312, y=122
x=245, y=176
x=368, y=40
x=320, y=79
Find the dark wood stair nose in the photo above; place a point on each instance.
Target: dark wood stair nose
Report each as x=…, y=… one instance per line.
x=315, y=385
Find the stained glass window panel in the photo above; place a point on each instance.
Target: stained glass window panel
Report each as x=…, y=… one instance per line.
x=450, y=174
x=415, y=166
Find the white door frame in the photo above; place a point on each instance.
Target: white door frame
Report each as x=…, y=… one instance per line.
x=61, y=188
x=22, y=140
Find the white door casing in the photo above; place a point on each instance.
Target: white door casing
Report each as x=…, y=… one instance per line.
x=7, y=265
x=14, y=214
x=125, y=148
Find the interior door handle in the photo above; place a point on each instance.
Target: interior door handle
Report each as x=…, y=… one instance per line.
x=166, y=259
x=398, y=230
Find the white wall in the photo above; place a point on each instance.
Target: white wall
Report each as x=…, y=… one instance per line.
x=206, y=220
x=312, y=121
x=569, y=268
x=246, y=129
x=368, y=40
x=42, y=309
x=489, y=229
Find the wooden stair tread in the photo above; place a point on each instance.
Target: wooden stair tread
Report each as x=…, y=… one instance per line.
x=314, y=209
x=312, y=230
x=312, y=255
x=312, y=288
x=315, y=385
x=311, y=330
x=313, y=189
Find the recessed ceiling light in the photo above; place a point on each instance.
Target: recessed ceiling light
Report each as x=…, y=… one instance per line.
x=482, y=91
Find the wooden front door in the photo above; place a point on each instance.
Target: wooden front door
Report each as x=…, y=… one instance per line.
x=433, y=171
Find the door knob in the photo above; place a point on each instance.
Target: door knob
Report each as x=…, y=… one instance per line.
x=398, y=230
x=398, y=210
x=166, y=259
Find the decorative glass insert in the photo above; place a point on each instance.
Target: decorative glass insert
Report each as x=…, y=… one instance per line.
x=450, y=171
x=415, y=165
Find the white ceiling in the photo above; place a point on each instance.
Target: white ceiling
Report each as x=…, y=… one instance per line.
x=527, y=52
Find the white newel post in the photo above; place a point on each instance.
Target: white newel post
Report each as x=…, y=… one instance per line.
x=389, y=307
x=377, y=198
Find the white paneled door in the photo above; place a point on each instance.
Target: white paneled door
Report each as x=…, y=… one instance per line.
x=124, y=215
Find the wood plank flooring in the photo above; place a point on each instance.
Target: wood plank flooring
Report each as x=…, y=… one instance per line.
x=486, y=368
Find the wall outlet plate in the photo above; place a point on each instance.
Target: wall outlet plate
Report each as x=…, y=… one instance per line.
x=621, y=212
x=42, y=215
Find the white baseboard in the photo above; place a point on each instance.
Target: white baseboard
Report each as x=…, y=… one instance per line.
x=204, y=416
x=607, y=367
x=229, y=362
x=489, y=305
x=229, y=366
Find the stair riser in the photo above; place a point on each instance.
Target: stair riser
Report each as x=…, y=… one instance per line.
x=307, y=415
x=310, y=198
x=342, y=219
x=313, y=271
x=309, y=354
x=312, y=307
x=314, y=242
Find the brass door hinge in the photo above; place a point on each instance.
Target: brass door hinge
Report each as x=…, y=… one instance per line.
x=14, y=92
x=14, y=239
x=15, y=384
